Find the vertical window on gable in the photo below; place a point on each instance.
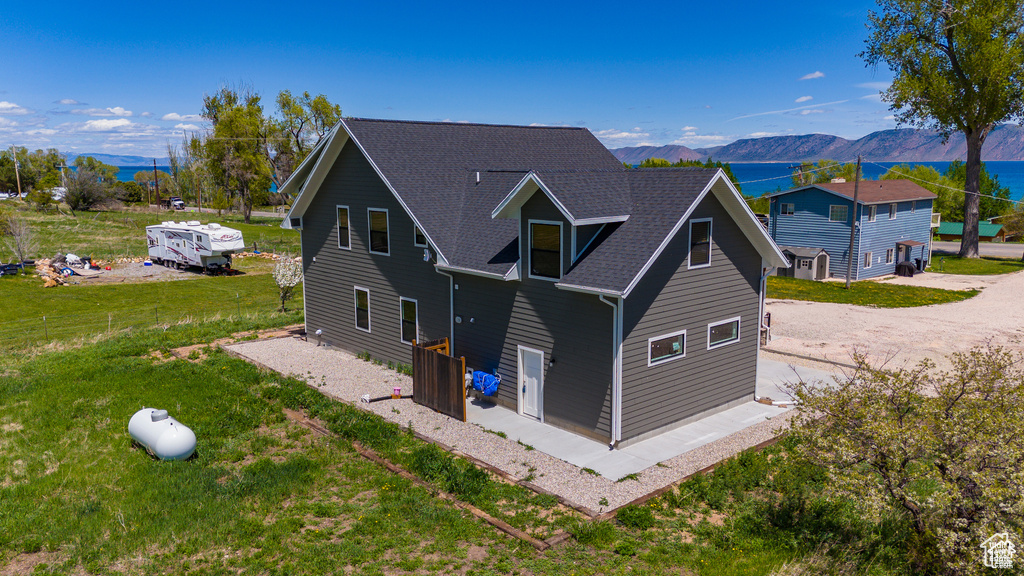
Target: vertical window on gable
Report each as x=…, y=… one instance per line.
x=892, y=211
x=418, y=238
x=379, y=231
x=837, y=213
x=362, y=308
x=410, y=320
x=344, y=232
x=546, y=250
x=872, y=212
x=700, y=243
x=787, y=208
x=913, y=206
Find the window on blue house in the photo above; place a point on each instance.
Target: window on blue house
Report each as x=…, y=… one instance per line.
x=787, y=208
x=892, y=211
x=837, y=213
x=872, y=212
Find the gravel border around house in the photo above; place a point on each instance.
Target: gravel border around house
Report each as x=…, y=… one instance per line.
x=342, y=376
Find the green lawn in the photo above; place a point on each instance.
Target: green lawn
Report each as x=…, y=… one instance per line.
x=863, y=293
x=74, y=312
x=981, y=266
x=107, y=235
x=265, y=496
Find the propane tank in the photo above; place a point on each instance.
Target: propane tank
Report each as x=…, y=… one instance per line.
x=161, y=435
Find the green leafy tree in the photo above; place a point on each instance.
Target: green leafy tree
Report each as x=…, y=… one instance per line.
x=943, y=452
x=958, y=67
x=105, y=172
x=302, y=121
x=655, y=163
x=129, y=192
x=38, y=169
x=950, y=201
x=823, y=172
x=994, y=199
x=85, y=190
x=682, y=163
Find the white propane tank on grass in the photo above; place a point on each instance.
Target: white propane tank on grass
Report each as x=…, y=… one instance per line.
x=162, y=435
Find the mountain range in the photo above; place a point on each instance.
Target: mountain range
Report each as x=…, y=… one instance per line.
x=1005, y=142
x=118, y=160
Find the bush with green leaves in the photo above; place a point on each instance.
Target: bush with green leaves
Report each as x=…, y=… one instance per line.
x=637, y=516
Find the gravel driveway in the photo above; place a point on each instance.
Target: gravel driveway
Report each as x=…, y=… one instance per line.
x=835, y=331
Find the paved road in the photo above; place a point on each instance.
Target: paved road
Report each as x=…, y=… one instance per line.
x=255, y=213
x=994, y=249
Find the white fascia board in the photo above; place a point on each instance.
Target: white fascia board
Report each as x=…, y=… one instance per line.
x=472, y=272
x=588, y=290
x=509, y=207
x=394, y=192
x=740, y=213
x=601, y=220
x=513, y=274
x=323, y=161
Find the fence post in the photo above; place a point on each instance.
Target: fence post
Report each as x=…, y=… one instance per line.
x=238, y=303
x=109, y=318
x=156, y=312
x=46, y=333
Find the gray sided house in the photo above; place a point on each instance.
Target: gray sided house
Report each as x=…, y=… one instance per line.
x=893, y=224
x=615, y=303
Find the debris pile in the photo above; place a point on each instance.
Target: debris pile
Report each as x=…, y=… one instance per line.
x=263, y=255
x=55, y=271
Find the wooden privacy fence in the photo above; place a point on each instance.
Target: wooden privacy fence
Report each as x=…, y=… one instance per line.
x=438, y=380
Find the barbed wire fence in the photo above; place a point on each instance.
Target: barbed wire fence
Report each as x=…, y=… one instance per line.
x=41, y=330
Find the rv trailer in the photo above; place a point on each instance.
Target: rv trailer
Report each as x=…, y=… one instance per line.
x=184, y=244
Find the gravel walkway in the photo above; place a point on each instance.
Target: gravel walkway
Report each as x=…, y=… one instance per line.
x=341, y=375
x=834, y=332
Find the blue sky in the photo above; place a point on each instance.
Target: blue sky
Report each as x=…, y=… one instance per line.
x=129, y=78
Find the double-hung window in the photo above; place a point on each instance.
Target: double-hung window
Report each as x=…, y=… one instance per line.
x=700, y=243
x=410, y=320
x=892, y=211
x=379, y=231
x=724, y=332
x=867, y=259
x=888, y=256
x=362, y=308
x=545, y=249
x=344, y=232
x=837, y=213
x=872, y=212
x=787, y=208
x=661, y=349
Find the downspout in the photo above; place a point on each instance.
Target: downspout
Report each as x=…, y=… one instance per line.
x=616, y=420
x=451, y=310
x=760, y=309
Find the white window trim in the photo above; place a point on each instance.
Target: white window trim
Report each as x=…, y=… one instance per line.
x=844, y=220
x=349, y=247
x=670, y=358
x=893, y=208
x=711, y=244
x=355, y=309
x=369, y=231
x=529, y=250
x=414, y=243
x=735, y=319
x=868, y=257
x=872, y=212
x=404, y=299
x=889, y=255
x=782, y=211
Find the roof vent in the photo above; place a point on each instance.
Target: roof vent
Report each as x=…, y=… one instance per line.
x=839, y=180
x=478, y=177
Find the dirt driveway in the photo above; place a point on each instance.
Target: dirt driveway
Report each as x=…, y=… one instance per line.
x=834, y=331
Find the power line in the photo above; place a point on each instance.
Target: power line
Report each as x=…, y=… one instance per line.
x=909, y=177
x=808, y=171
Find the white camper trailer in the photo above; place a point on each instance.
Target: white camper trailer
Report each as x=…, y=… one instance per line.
x=184, y=244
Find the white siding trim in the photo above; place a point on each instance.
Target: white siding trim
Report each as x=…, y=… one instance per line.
x=651, y=362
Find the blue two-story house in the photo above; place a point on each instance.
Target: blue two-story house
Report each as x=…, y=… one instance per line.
x=893, y=220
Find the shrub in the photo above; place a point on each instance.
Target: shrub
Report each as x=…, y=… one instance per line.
x=637, y=517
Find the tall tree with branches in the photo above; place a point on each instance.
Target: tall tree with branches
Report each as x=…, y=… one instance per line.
x=959, y=67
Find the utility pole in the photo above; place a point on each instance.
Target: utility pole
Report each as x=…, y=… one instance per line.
x=156, y=180
x=17, y=175
x=853, y=224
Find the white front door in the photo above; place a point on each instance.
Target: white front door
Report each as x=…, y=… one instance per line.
x=531, y=382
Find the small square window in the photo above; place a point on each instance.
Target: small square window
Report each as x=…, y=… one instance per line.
x=722, y=333
x=787, y=208
x=867, y=259
x=661, y=349
x=344, y=232
x=837, y=213
x=892, y=211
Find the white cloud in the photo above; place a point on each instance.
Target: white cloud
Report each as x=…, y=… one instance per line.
x=103, y=112
x=688, y=128
x=893, y=118
x=812, y=111
x=41, y=132
x=613, y=134
x=146, y=114
x=12, y=108
x=761, y=134
x=536, y=124
x=68, y=102
x=876, y=97
x=106, y=125
x=5, y=122
x=804, y=99
x=697, y=140
x=175, y=117
x=875, y=85
x=788, y=110
x=192, y=127
x=813, y=75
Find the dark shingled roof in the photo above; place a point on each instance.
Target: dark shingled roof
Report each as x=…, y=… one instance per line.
x=452, y=176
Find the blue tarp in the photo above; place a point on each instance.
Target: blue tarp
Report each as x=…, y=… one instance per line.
x=486, y=383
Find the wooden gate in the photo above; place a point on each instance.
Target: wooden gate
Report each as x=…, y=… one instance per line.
x=438, y=380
